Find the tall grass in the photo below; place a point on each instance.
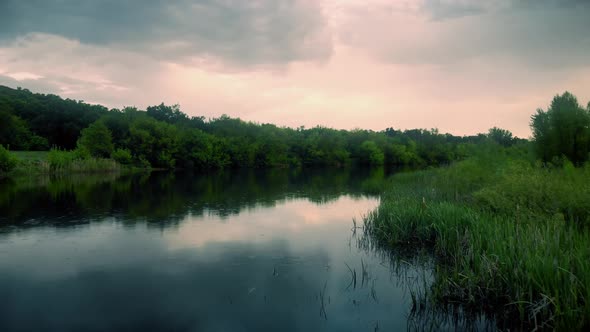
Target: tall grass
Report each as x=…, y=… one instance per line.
x=7, y=161
x=511, y=236
x=30, y=155
x=59, y=161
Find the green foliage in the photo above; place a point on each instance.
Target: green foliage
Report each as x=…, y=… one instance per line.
x=400, y=154
x=59, y=159
x=509, y=233
x=563, y=130
x=169, y=114
x=501, y=136
x=7, y=160
x=30, y=155
x=153, y=141
x=57, y=120
x=78, y=161
x=14, y=132
x=97, y=140
x=165, y=137
x=200, y=150
x=371, y=154
x=122, y=156
x=559, y=192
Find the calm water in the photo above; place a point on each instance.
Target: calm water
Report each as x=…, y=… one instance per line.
x=232, y=251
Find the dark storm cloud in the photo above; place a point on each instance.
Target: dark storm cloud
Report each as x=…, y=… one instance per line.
x=549, y=3
x=440, y=10
x=544, y=34
x=449, y=9
x=243, y=32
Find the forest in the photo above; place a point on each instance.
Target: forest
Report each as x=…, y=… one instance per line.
x=162, y=136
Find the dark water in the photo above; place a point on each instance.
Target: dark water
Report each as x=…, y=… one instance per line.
x=232, y=251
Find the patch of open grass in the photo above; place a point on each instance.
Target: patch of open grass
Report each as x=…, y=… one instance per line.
x=30, y=155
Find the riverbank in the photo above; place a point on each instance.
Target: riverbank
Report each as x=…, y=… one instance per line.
x=60, y=162
x=511, y=236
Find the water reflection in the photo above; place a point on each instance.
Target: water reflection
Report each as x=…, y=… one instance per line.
x=231, y=251
x=166, y=198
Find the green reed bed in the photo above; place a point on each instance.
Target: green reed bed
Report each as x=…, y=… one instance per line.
x=511, y=236
x=58, y=161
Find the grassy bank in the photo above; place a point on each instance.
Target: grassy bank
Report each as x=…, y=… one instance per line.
x=57, y=162
x=511, y=236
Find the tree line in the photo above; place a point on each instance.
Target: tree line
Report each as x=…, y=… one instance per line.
x=163, y=136
x=563, y=131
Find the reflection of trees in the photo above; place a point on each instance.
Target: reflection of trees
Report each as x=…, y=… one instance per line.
x=166, y=198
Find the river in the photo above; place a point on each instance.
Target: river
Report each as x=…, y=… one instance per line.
x=229, y=251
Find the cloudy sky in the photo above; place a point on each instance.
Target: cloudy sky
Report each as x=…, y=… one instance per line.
x=462, y=66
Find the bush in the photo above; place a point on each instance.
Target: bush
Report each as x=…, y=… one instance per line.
x=7, y=161
x=143, y=163
x=97, y=140
x=38, y=143
x=78, y=161
x=122, y=156
x=371, y=154
x=59, y=159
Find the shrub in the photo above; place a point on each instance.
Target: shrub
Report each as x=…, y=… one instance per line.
x=143, y=163
x=7, y=161
x=371, y=153
x=59, y=159
x=97, y=140
x=122, y=156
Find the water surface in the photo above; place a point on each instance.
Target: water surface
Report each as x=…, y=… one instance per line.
x=230, y=251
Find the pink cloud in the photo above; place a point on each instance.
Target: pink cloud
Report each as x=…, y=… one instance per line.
x=389, y=64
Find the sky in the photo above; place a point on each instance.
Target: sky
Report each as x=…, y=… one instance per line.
x=462, y=66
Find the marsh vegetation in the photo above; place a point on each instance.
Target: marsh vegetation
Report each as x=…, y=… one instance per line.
x=509, y=226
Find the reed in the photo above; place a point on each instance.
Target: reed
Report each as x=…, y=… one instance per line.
x=511, y=237
x=62, y=162
x=352, y=277
x=322, y=298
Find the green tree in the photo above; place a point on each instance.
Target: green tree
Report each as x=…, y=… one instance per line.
x=96, y=139
x=371, y=154
x=154, y=141
x=196, y=150
x=501, y=136
x=122, y=156
x=170, y=114
x=161, y=136
x=563, y=130
x=14, y=132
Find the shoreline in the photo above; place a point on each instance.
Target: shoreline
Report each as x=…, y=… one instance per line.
x=510, y=238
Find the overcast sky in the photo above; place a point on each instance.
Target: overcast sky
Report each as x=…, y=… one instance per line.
x=462, y=66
